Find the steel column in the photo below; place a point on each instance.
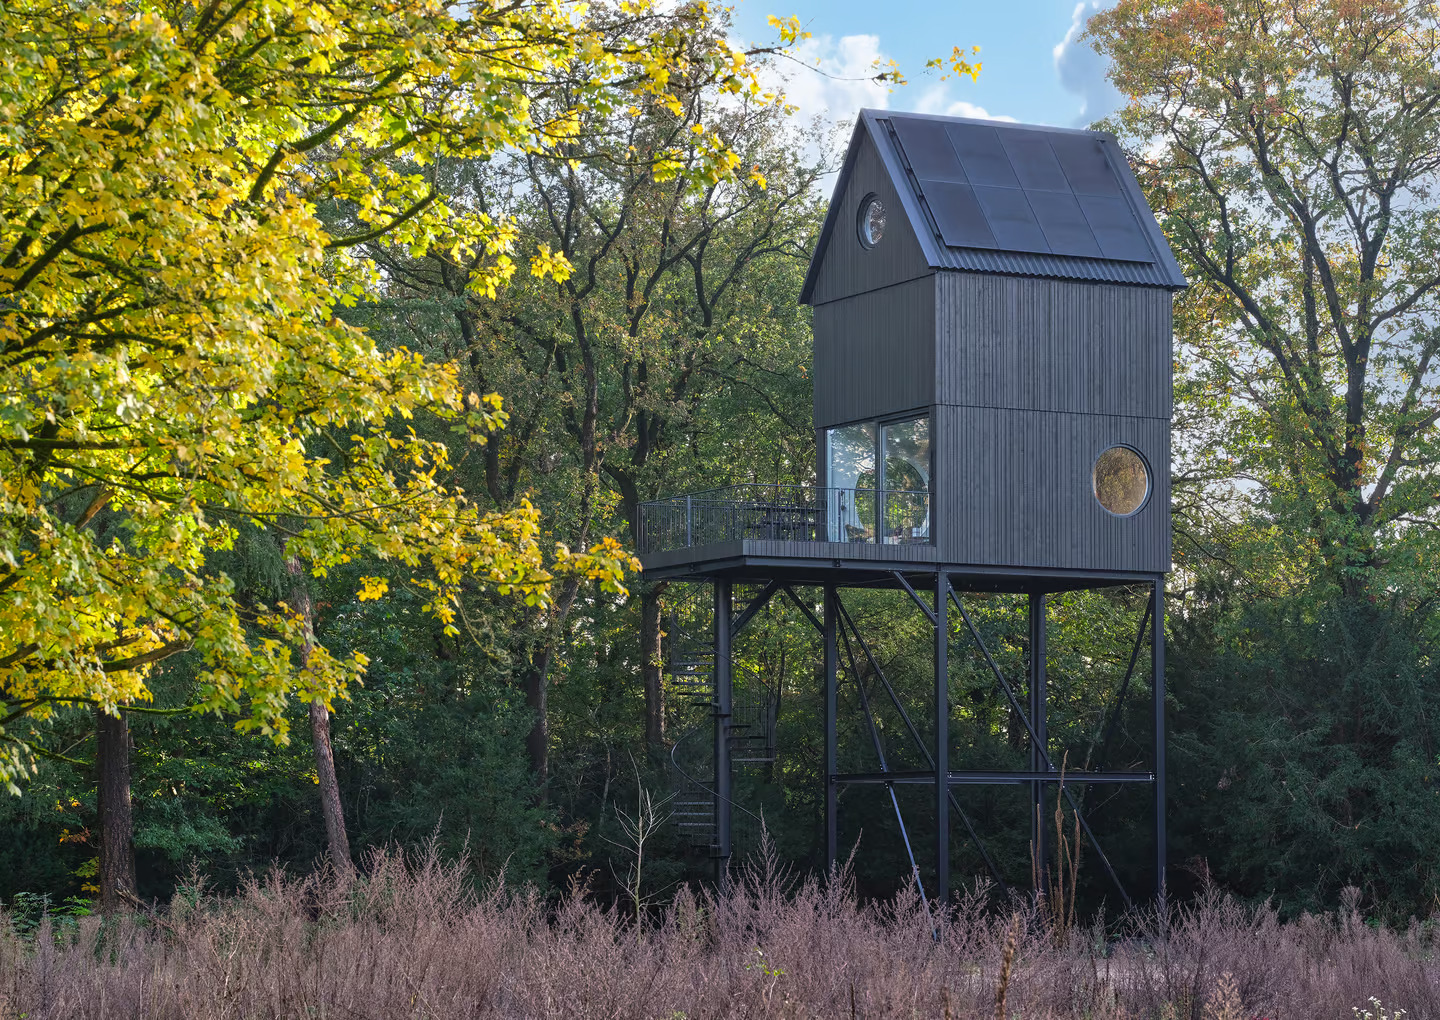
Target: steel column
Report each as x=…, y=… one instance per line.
x=879, y=747
x=942, y=738
x=832, y=663
x=1039, y=746
x=1157, y=651
x=1044, y=755
x=847, y=621
x=724, y=704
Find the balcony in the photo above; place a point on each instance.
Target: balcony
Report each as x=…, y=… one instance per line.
x=785, y=513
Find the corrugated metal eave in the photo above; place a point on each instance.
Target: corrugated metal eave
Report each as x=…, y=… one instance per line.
x=1058, y=268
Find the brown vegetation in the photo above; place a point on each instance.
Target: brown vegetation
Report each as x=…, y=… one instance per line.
x=409, y=940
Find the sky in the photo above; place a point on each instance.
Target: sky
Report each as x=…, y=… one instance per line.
x=1033, y=69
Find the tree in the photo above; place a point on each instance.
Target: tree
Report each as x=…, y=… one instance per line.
x=671, y=301
x=174, y=369
x=1292, y=150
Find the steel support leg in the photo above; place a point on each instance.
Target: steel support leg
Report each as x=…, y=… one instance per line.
x=1157, y=651
x=942, y=739
x=832, y=765
x=724, y=705
x=847, y=621
x=1039, y=747
x=1045, y=757
x=879, y=747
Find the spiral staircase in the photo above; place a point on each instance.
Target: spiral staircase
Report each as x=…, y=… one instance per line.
x=690, y=673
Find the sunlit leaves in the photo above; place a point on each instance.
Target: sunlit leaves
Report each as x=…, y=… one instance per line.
x=182, y=193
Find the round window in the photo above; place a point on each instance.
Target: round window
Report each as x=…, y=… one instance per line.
x=1122, y=481
x=872, y=221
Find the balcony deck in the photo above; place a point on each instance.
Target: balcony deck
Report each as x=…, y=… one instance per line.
x=789, y=534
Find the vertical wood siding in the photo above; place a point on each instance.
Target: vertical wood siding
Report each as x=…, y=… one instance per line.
x=1014, y=488
x=850, y=268
x=1053, y=345
x=875, y=353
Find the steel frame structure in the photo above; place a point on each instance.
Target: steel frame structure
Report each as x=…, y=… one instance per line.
x=838, y=632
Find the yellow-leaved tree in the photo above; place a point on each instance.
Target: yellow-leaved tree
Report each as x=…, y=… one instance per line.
x=171, y=367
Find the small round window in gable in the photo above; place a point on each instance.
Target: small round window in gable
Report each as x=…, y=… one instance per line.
x=1122, y=481
x=872, y=221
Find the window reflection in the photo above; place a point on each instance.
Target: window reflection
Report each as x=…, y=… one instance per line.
x=907, y=481
x=891, y=504
x=852, y=467
x=1121, y=481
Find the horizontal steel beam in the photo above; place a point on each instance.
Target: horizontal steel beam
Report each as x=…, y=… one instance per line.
x=997, y=777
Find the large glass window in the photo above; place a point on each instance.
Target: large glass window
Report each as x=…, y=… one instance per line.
x=906, y=481
x=852, y=482
x=878, y=481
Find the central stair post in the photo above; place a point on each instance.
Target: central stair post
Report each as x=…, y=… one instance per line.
x=832, y=661
x=942, y=739
x=724, y=705
x=1039, y=746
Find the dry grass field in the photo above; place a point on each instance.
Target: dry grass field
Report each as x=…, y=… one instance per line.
x=410, y=940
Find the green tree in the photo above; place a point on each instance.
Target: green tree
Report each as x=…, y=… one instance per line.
x=1292, y=150
x=174, y=369
x=683, y=289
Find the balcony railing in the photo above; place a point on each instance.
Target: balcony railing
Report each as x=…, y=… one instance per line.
x=787, y=513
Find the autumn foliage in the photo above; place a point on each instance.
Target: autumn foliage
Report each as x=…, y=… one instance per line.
x=182, y=192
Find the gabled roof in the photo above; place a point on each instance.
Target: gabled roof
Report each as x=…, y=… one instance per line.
x=994, y=197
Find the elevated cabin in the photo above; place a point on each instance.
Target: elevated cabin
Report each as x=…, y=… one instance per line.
x=992, y=318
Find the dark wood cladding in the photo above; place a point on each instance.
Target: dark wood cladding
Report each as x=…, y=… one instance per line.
x=875, y=353
x=849, y=267
x=1053, y=345
x=1028, y=380
x=1014, y=488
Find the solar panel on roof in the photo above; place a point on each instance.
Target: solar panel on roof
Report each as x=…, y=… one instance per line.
x=983, y=157
x=1116, y=229
x=957, y=214
x=1083, y=160
x=1023, y=190
x=1034, y=161
x=1064, y=224
x=928, y=148
x=1010, y=219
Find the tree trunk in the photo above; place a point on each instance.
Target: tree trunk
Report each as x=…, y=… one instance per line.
x=116, y=823
x=651, y=665
x=336, y=839
x=537, y=675
x=335, y=835
x=537, y=679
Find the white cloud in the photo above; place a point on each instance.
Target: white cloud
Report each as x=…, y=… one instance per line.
x=1082, y=71
x=937, y=99
x=833, y=79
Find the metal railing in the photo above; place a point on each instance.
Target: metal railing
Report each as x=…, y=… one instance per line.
x=788, y=513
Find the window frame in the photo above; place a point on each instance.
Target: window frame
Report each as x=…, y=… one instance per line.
x=1144, y=466
x=861, y=231
x=879, y=424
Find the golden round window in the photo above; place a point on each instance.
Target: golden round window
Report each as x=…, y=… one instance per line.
x=1122, y=481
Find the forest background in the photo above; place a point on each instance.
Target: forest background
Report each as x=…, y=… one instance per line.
x=473, y=674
